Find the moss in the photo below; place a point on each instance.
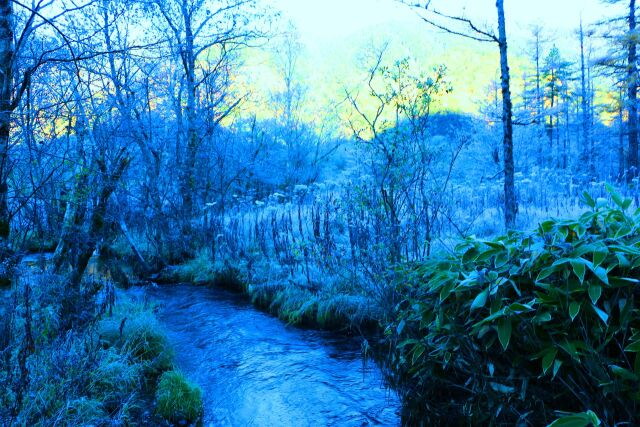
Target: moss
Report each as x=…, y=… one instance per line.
x=71, y=381
x=177, y=399
x=295, y=305
x=200, y=270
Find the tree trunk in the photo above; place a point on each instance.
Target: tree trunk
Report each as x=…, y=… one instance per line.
x=510, y=207
x=539, y=118
x=632, y=94
x=621, y=132
x=586, y=153
x=189, y=62
x=6, y=108
x=96, y=226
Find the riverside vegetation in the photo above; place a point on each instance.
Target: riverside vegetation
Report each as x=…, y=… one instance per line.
x=527, y=327
x=86, y=359
x=192, y=140
x=531, y=328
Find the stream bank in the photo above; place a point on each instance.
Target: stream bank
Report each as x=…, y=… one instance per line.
x=256, y=370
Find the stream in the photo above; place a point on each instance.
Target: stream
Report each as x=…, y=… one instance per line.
x=254, y=370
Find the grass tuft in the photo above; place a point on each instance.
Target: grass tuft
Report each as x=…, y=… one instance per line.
x=178, y=400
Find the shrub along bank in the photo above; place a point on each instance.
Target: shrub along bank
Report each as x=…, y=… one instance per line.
x=526, y=328
x=83, y=359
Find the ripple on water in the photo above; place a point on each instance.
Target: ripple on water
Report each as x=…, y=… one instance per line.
x=256, y=371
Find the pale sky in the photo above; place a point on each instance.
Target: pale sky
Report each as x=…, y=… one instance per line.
x=324, y=20
x=334, y=33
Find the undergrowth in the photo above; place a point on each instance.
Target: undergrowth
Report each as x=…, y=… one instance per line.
x=525, y=328
x=77, y=358
x=178, y=400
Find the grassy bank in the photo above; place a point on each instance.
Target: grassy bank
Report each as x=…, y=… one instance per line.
x=331, y=306
x=85, y=358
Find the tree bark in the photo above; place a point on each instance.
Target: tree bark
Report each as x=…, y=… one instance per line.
x=189, y=62
x=510, y=206
x=632, y=94
x=6, y=82
x=586, y=134
x=109, y=182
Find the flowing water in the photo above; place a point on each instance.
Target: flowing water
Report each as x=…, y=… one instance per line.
x=255, y=370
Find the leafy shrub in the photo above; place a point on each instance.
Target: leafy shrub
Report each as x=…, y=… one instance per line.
x=178, y=400
x=513, y=328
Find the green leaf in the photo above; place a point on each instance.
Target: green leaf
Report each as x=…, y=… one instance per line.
x=588, y=200
x=418, y=350
x=504, y=332
x=634, y=347
x=615, y=196
x=548, y=359
x=446, y=290
x=600, y=273
x=593, y=418
x=400, y=326
x=542, y=317
x=546, y=272
x=547, y=226
x=570, y=348
x=579, y=268
x=556, y=367
x=595, y=291
x=516, y=307
x=480, y=300
x=574, y=309
x=603, y=316
x=582, y=419
x=599, y=255
x=623, y=373
x=623, y=261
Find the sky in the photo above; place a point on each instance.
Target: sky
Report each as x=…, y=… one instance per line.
x=335, y=33
x=322, y=21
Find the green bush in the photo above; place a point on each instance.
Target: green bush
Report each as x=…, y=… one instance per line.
x=511, y=329
x=178, y=400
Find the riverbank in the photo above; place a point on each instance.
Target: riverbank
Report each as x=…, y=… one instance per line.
x=484, y=333
x=334, y=308
x=255, y=369
x=91, y=358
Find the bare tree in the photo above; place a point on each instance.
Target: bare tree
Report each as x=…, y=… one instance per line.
x=626, y=66
x=585, y=102
x=465, y=27
x=209, y=34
